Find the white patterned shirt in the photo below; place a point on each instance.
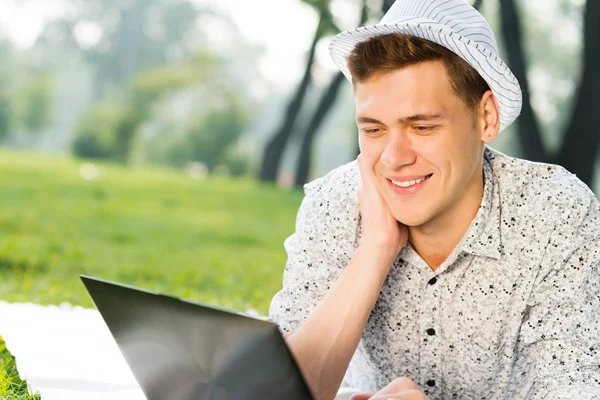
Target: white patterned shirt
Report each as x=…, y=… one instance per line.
x=513, y=313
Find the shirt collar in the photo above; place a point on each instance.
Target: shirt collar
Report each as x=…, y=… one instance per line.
x=483, y=236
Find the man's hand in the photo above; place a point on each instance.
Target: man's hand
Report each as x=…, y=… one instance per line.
x=399, y=389
x=381, y=232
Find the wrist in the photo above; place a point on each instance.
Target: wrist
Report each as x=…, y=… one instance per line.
x=376, y=257
x=381, y=252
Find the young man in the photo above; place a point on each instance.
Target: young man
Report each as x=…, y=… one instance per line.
x=435, y=267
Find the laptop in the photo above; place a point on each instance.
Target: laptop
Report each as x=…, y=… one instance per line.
x=182, y=350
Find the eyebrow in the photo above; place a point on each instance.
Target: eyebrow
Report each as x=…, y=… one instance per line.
x=412, y=118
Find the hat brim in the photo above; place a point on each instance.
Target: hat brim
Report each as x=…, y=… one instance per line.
x=494, y=71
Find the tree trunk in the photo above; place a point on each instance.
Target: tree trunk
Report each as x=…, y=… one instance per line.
x=386, y=5
x=530, y=136
x=582, y=136
x=276, y=145
x=323, y=108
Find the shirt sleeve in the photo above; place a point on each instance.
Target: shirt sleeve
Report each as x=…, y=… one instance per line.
x=327, y=232
x=319, y=249
x=559, y=343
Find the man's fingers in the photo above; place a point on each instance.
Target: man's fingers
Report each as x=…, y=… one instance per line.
x=363, y=166
x=399, y=389
x=411, y=394
x=366, y=187
x=362, y=396
x=367, y=174
x=359, y=193
x=399, y=385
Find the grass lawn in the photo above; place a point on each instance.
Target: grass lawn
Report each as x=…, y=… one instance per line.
x=219, y=241
x=11, y=387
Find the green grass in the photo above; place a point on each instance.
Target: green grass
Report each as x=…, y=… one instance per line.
x=218, y=241
x=11, y=387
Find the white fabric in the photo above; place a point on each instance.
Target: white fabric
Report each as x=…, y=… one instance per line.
x=346, y=393
x=66, y=353
x=453, y=24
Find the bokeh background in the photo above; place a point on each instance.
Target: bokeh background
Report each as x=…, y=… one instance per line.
x=246, y=88
x=164, y=143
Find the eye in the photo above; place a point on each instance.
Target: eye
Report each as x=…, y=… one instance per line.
x=372, y=131
x=424, y=128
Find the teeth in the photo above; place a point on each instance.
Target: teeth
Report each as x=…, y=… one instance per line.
x=408, y=183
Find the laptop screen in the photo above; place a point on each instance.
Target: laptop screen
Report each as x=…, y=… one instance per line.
x=179, y=350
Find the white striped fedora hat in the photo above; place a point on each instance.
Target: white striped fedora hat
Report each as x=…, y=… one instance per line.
x=453, y=24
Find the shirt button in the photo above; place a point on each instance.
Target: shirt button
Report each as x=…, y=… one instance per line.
x=432, y=281
x=431, y=331
x=431, y=383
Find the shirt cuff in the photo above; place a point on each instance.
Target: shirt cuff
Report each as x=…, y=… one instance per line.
x=345, y=392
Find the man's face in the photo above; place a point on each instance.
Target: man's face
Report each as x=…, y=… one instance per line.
x=422, y=140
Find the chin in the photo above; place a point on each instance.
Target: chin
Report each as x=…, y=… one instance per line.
x=411, y=218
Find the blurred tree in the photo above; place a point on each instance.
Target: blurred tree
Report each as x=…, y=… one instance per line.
x=209, y=137
x=581, y=138
x=108, y=130
x=125, y=131
x=149, y=86
x=94, y=133
x=26, y=95
x=325, y=104
x=35, y=102
x=236, y=161
x=323, y=108
x=276, y=145
x=118, y=38
x=581, y=141
x=7, y=91
x=530, y=137
x=6, y=116
x=206, y=136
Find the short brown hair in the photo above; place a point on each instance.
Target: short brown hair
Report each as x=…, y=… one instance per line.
x=387, y=53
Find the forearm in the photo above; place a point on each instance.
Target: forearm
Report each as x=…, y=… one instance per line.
x=325, y=343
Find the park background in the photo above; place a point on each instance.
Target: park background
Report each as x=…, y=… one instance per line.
x=164, y=143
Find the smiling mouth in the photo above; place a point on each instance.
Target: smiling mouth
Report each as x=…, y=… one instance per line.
x=407, y=184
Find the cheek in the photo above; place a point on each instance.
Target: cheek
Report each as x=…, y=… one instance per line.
x=371, y=148
x=433, y=151
x=457, y=159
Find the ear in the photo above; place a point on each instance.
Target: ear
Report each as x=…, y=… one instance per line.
x=489, y=117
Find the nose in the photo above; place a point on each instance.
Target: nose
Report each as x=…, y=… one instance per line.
x=398, y=151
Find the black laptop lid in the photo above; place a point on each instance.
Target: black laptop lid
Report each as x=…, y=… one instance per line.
x=179, y=350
